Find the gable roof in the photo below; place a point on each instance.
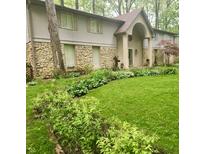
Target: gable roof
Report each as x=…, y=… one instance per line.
x=129, y=18
x=80, y=12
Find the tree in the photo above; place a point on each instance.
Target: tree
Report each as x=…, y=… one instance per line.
x=54, y=36
x=93, y=6
x=169, y=48
x=157, y=9
x=128, y=5
x=62, y=2
x=77, y=4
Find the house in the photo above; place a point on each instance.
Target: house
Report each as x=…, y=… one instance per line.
x=89, y=40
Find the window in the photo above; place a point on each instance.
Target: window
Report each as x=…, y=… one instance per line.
x=69, y=52
x=95, y=26
x=96, y=57
x=67, y=20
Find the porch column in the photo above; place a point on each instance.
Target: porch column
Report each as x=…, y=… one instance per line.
x=150, y=51
x=125, y=51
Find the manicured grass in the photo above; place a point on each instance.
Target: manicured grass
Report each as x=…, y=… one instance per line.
x=150, y=103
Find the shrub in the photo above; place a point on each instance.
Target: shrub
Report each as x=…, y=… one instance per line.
x=52, y=98
x=72, y=74
x=123, y=74
x=124, y=138
x=75, y=123
x=154, y=71
x=79, y=128
x=32, y=83
x=169, y=70
x=78, y=89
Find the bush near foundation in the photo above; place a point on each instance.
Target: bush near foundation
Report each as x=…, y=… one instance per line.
x=79, y=128
x=154, y=71
x=95, y=80
x=101, y=77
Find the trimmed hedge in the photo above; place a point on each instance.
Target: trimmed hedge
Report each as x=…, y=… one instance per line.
x=78, y=127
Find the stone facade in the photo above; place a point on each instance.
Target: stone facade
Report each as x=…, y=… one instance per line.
x=28, y=52
x=44, y=59
x=106, y=57
x=84, y=56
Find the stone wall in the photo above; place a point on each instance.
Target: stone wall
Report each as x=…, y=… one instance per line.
x=84, y=56
x=28, y=52
x=44, y=59
x=106, y=57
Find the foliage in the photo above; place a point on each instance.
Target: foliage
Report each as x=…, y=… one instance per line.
x=72, y=74
x=169, y=48
x=124, y=138
x=96, y=79
x=86, y=69
x=154, y=71
x=168, y=10
x=123, y=74
x=79, y=128
x=32, y=83
x=78, y=89
x=57, y=74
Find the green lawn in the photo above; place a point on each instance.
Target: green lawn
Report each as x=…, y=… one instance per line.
x=150, y=103
x=37, y=136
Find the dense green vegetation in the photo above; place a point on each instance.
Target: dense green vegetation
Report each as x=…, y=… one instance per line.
x=151, y=103
x=124, y=108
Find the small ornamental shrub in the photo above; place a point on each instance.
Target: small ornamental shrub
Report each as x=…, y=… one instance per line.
x=78, y=127
x=124, y=138
x=54, y=98
x=123, y=74
x=169, y=70
x=72, y=75
x=154, y=71
x=78, y=89
x=32, y=83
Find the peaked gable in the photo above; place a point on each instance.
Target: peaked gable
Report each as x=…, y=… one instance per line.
x=129, y=18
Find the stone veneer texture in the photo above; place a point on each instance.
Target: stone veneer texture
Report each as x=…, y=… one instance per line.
x=83, y=53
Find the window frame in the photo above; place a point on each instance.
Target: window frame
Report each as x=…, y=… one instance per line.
x=99, y=26
x=74, y=20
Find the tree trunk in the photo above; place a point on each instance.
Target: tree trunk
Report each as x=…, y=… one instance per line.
x=62, y=3
x=157, y=7
x=119, y=7
x=94, y=6
x=77, y=4
x=54, y=36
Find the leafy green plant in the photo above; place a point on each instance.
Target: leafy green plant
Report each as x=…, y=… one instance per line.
x=154, y=71
x=78, y=89
x=124, y=138
x=72, y=74
x=78, y=127
x=32, y=83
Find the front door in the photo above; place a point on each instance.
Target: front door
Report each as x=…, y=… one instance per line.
x=130, y=56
